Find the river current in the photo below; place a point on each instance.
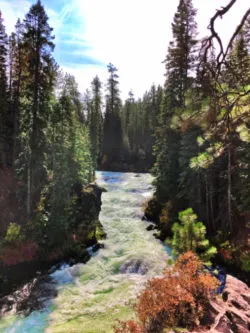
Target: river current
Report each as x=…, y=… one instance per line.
x=92, y=296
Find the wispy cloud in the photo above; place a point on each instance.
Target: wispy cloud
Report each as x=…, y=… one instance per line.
x=12, y=10
x=133, y=34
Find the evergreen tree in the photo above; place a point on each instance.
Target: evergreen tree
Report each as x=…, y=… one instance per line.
x=237, y=71
x=112, y=128
x=4, y=117
x=70, y=85
x=129, y=124
x=179, y=64
x=190, y=235
x=70, y=159
x=95, y=121
x=39, y=80
x=181, y=53
x=17, y=80
x=138, y=126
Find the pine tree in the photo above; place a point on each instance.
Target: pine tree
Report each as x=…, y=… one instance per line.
x=138, y=125
x=95, y=121
x=112, y=128
x=237, y=69
x=87, y=104
x=70, y=85
x=179, y=64
x=4, y=117
x=129, y=125
x=190, y=235
x=181, y=57
x=70, y=160
x=39, y=80
x=17, y=70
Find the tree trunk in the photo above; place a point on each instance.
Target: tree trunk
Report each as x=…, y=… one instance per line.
x=28, y=190
x=229, y=188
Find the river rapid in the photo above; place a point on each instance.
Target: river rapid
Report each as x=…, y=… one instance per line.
x=92, y=296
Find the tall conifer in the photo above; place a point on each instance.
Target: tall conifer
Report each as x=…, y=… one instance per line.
x=112, y=140
x=3, y=95
x=38, y=46
x=179, y=64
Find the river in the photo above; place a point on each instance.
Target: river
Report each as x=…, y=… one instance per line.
x=92, y=296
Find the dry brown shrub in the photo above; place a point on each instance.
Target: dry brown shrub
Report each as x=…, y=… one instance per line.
x=180, y=298
x=129, y=326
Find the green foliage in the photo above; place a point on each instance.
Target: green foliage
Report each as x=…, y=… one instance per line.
x=49, y=144
x=4, y=115
x=245, y=262
x=99, y=233
x=202, y=134
x=70, y=159
x=139, y=118
x=112, y=127
x=190, y=235
x=13, y=234
x=95, y=121
x=179, y=64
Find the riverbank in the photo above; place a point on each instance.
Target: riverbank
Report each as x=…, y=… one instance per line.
x=91, y=297
x=230, y=253
x=85, y=232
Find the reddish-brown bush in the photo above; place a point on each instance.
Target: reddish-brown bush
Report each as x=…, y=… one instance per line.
x=129, y=326
x=180, y=298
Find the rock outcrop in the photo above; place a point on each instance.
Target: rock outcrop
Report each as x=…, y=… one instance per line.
x=230, y=311
x=85, y=220
x=84, y=231
x=32, y=296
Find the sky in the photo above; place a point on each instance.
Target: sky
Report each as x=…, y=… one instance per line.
x=132, y=34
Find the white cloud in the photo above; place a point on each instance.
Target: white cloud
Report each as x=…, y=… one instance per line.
x=134, y=36
x=12, y=10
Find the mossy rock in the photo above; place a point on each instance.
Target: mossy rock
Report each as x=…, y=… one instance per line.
x=153, y=210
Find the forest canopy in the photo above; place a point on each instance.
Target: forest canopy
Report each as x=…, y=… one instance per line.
x=192, y=133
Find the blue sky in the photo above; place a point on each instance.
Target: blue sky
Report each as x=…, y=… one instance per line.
x=132, y=34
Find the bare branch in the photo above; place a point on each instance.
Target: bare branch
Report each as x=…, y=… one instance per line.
x=214, y=34
x=238, y=29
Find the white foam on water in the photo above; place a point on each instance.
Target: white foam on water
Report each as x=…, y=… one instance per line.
x=117, y=273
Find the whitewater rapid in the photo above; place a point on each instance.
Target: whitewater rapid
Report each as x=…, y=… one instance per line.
x=92, y=296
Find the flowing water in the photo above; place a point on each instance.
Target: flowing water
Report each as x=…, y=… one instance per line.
x=92, y=296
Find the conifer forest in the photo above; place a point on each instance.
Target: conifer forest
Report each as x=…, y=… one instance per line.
x=144, y=199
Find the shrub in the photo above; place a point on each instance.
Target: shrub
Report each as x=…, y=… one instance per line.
x=180, y=298
x=13, y=233
x=245, y=261
x=190, y=235
x=164, y=216
x=129, y=326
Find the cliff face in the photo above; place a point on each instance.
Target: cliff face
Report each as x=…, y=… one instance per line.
x=86, y=227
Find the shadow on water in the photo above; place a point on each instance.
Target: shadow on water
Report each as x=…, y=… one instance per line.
x=112, y=177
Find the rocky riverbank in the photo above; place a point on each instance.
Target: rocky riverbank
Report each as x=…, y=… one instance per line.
x=85, y=232
x=229, y=312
